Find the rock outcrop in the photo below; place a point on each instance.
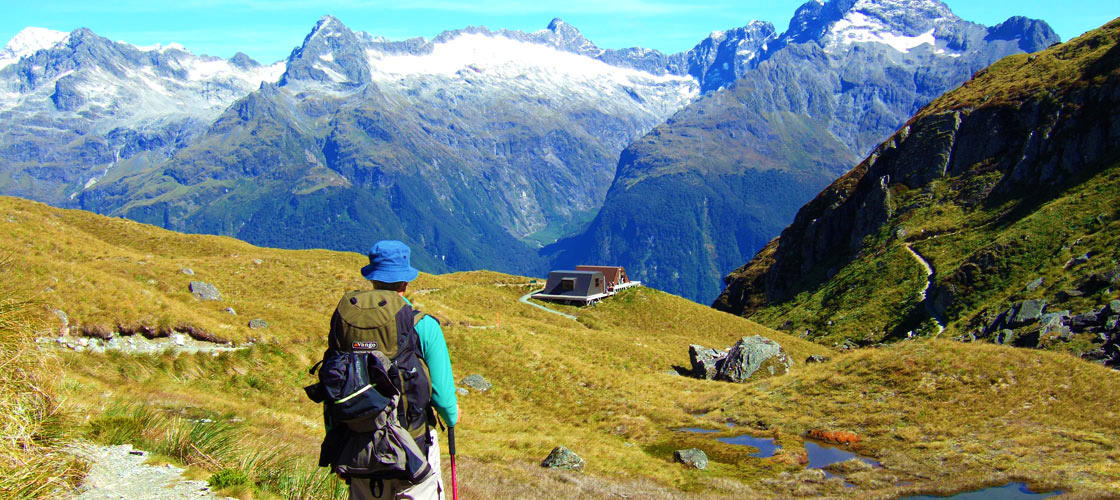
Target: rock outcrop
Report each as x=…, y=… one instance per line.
x=740, y=362
x=563, y=458
x=692, y=457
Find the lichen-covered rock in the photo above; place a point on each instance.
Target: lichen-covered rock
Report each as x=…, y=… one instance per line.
x=692, y=457
x=1026, y=312
x=476, y=382
x=205, y=291
x=563, y=458
x=753, y=355
x=704, y=360
x=816, y=358
x=257, y=323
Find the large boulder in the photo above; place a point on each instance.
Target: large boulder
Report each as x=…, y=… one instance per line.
x=476, y=382
x=753, y=355
x=1026, y=312
x=704, y=360
x=692, y=457
x=563, y=458
x=205, y=291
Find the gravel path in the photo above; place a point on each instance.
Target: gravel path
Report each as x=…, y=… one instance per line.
x=923, y=296
x=525, y=300
x=119, y=472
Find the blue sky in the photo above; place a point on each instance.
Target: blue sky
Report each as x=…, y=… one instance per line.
x=267, y=30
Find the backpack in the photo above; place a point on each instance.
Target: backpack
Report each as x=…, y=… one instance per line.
x=376, y=389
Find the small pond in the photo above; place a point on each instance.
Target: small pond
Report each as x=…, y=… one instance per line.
x=766, y=446
x=822, y=455
x=1010, y=491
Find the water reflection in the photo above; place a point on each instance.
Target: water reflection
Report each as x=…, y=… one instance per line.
x=1011, y=491
x=766, y=446
x=822, y=455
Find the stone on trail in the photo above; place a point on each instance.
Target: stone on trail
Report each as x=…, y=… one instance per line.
x=205, y=291
x=751, y=355
x=462, y=391
x=476, y=382
x=704, y=360
x=188, y=271
x=64, y=328
x=563, y=458
x=231, y=311
x=692, y=457
x=257, y=323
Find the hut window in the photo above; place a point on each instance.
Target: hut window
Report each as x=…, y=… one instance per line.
x=597, y=285
x=567, y=284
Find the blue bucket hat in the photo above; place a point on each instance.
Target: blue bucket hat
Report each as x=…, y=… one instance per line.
x=389, y=262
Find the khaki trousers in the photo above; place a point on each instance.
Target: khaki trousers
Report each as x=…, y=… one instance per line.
x=429, y=488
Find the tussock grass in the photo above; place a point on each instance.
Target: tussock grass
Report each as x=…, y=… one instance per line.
x=31, y=421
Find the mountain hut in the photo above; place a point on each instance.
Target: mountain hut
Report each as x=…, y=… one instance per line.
x=574, y=287
x=615, y=275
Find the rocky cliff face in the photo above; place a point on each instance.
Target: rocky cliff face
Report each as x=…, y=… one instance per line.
x=721, y=177
x=994, y=183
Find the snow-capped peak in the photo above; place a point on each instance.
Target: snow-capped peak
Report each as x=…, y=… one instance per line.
x=29, y=41
x=159, y=47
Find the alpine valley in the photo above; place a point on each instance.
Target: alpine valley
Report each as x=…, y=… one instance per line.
x=480, y=147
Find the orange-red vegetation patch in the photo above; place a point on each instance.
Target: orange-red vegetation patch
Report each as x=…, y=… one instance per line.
x=838, y=437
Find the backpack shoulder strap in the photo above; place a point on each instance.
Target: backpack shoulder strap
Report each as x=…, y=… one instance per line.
x=420, y=315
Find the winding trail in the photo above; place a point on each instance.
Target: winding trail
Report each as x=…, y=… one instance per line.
x=525, y=300
x=923, y=296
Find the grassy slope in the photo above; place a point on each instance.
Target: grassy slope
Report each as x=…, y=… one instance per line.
x=874, y=297
x=862, y=306
x=599, y=385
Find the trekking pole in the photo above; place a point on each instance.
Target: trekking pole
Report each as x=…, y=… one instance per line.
x=454, y=479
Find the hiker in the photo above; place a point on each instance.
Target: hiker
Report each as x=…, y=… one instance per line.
x=420, y=363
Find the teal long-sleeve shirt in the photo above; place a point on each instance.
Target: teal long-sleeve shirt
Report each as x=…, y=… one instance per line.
x=433, y=348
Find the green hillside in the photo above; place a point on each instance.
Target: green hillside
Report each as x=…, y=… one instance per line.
x=1006, y=187
x=602, y=385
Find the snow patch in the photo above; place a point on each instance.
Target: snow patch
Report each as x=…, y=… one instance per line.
x=158, y=47
x=29, y=41
x=856, y=27
x=500, y=57
x=328, y=57
x=332, y=74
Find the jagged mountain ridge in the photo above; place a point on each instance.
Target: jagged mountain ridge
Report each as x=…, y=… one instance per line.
x=488, y=138
x=804, y=107
x=1006, y=187
x=75, y=104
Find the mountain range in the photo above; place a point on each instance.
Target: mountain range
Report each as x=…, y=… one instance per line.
x=477, y=147
x=700, y=194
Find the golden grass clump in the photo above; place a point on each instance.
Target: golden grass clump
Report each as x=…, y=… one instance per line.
x=31, y=462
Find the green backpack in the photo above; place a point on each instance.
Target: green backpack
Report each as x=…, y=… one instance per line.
x=381, y=320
